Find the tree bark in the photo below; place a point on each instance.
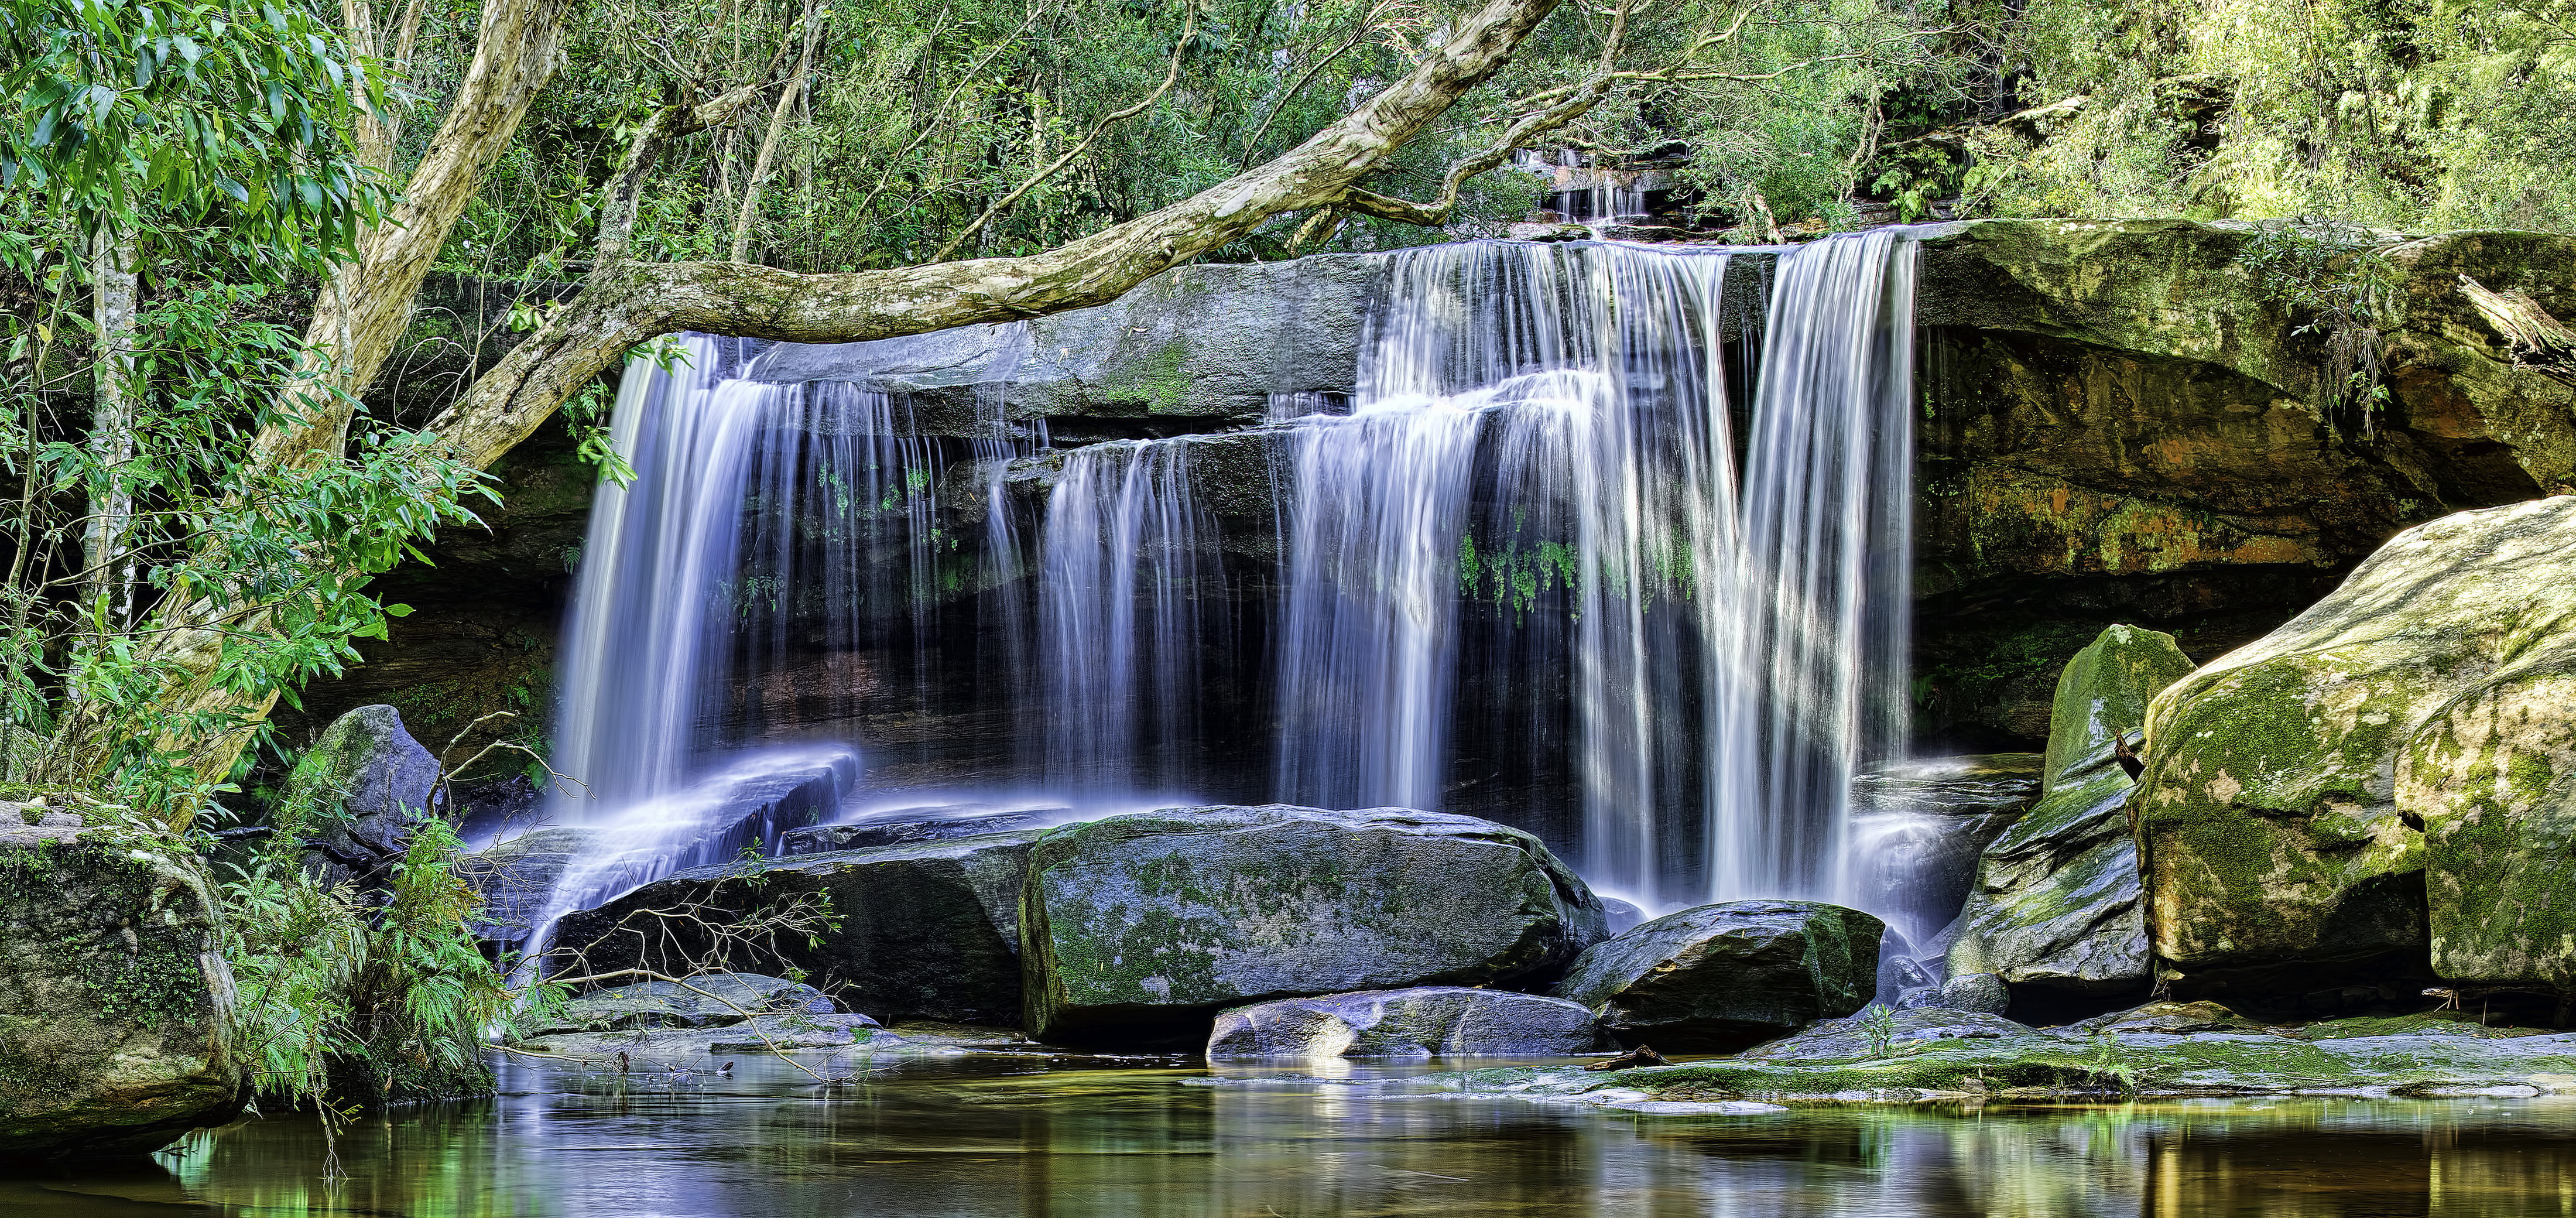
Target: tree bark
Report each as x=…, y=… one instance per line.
x=105, y=576
x=364, y=307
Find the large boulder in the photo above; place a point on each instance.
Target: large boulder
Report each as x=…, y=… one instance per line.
x=1140, y=928
x=2057, y=904
x=1717, y=978
x=926, y=930
x=2388, y=781
x=1426, y=1021
x=358, y=793
x=115, y=1005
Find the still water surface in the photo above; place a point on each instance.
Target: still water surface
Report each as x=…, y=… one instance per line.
x=999, y=1136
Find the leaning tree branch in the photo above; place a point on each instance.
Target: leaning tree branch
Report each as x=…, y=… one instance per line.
x=621, y=306
x=1514, y=138
x=624, y=303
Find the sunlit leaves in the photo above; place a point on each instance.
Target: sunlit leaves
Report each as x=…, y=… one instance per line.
x=108, y=107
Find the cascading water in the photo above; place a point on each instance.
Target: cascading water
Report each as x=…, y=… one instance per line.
x=1826, y=562
x=763, y=520
x=1515, y=573
x=1542, y=434
x=1128, y=559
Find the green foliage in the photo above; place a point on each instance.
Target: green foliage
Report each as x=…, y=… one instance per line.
x=342, y=1001
x=215, y=141
x=2429, y=115
x=1878, y=1023
x=2340, y=290
x=227, y=113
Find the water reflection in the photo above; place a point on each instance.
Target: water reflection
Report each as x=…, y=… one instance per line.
x=997, y=1136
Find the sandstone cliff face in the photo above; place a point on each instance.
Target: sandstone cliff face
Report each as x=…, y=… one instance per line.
x=2119, y=425
x=2122, y=423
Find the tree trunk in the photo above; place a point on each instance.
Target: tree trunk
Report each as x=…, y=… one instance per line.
x=362, y=310
x=105, y=577
x=364, y=307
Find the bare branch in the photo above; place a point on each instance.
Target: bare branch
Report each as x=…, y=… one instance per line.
x=762, y=163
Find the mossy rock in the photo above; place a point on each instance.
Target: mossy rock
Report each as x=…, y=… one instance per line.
x=2057, y=902
x=359, y=792
x=2391, y=775
x=1139, y=928
x=1724, y=976
x=115, y=1005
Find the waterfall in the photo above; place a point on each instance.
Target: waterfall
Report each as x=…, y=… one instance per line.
x=1128, y=558
x=1601, y=544
x=1818, y=682
x=718, y=588
x=1542, y=440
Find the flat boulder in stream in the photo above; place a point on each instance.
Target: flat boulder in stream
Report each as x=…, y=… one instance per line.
x=709, y=1000
x=905, y=825
x=927, y=930
x=1426, y=1021
x=1717, y=978
x=1138, y=929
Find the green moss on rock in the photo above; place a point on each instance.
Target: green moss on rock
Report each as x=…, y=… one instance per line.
x=2393, y=771
x=2057, y=899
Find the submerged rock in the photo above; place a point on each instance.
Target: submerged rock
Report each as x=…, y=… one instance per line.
x=1720, y=977
x=359, y=792
x=1934, y=1055
x=2390, y=777
x=689, y=1048
x=115, y=1003
x=1853, y=1037
x=2057, y=903
x=1426, y=1021
x=709, y=1000
x=2169, y=1018
x=1140, y=928
x=928, y=929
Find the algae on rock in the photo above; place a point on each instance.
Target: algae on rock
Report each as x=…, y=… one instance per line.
x=1139, y=928
x=115, y=1005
